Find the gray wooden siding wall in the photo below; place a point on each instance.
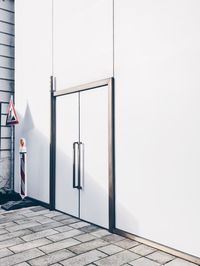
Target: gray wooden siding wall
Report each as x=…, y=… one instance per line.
x=6, y=85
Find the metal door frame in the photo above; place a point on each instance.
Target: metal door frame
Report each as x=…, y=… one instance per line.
x=111, y=139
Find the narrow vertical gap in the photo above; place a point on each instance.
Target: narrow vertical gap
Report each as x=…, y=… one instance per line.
x=52, y=40
x=79, y=139
x=113, y=29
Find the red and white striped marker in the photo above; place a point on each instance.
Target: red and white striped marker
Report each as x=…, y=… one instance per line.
x=22, y=151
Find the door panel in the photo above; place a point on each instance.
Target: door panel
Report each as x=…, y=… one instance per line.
x=94, y=174
x=67, y=132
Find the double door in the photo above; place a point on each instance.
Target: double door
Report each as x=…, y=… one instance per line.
x=82, y=159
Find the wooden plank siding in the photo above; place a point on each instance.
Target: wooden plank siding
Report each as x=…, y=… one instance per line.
x=7, y=43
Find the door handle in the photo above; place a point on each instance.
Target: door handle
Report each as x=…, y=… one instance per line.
x=75, y=165
x=81, y=163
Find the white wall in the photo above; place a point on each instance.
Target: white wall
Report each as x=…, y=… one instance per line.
x=157, y=72
x=82, y=41
x=33, y=70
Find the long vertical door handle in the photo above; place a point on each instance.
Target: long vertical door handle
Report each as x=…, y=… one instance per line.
x=75, y=165
x=81, y=176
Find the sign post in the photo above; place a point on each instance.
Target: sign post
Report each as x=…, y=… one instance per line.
x=11, y=120
x=23, y=175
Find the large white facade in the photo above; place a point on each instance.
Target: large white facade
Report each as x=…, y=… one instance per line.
x=156, y=66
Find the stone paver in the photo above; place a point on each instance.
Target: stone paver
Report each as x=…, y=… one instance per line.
x=10, y=242
x=63, y=228
x=144, y=262
x=118, y=259
x=23, y=264
x=127, y=243
x=40, y=234
x=100, y=233
x=29, y=245
x=51, y=258
x=61, y=236
x=5, y=252
x=84, y=247
x=84, y=259
x=79, y=225
x=180, y=262
x=85, y=237
x=113, y=238
x=19, y=233
x=143, y=250
x=66, y=243
x=46, y=226
x=38, y=237
x=110, y=249
x=161, y=257
x=21, y=257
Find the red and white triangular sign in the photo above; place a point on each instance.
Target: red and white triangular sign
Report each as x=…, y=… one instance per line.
x=11, y=115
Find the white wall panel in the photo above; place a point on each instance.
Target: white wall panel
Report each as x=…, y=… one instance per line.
x=82, y=41
x=157, y=121
x=33, y=70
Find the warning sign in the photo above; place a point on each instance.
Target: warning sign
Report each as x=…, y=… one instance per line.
x=11, y=115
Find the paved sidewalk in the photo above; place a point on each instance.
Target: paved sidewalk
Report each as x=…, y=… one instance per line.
x=35, y=236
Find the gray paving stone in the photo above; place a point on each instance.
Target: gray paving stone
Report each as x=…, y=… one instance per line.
x=5, y=252
x=144, y=262
x=90, y=228
x=23, y=221
x=23, y=264
x=180, y=262
x=10, y=217
x=43, y=220
x=33, y=214
x=127, y=243
x=19, y=233
x=79, y=225
x=45, y=226
x=161, y=257
x=63, y=217
x=20, y=257
x=37, y=208
x=100, y=233
x=113, y=238
x=68, y=221
x=3, y=225
x=63, y=228
x=40, y=234
x=143, y=250
x=59, y=245
x=21, y=226
x=118, y=259
x=51, y=258
x=29, y=245
x=110, y=249
x=3, y=231
x=84, y=259
x=52, y=214
x=84, y=247
x=64, y=235
x=85, y=237
x=10, y=242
